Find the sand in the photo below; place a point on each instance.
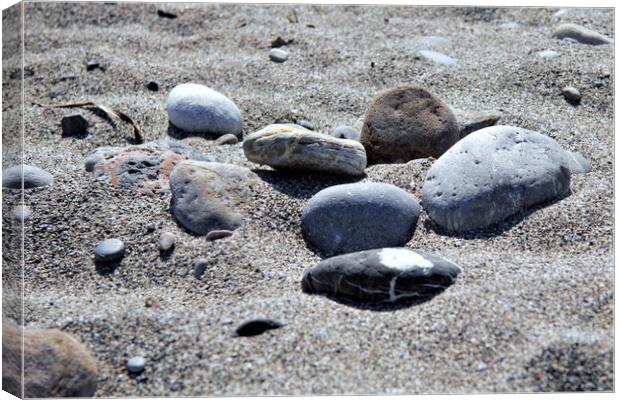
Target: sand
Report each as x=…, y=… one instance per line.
x=532, y=310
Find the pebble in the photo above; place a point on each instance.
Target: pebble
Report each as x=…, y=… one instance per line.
x=548, y=54
x=571, y=94
x=33, y=177
x=200, y=266
x=289, y=146
x=434, y=41
x=196, y=108
x=257, y=326
x=359, y=216
x=220, y=234
x=509, y=25
x=153, y=86
x=470, y=121
x=306, y=124
x=278, y=55
x=228, y=138
x=206, y=196
x=580, y=34
x=437, y=57
x=494, y=173
x=135, y=365
x=57, y=364
x=387, y=275
x=279, y=42
x=73, y=124
x=167, y=240
x=22, y=213
x=346, y=132
x=407, y=122
x=146, y=167
x=92, y=65
x=165, y=14
x=109, y=250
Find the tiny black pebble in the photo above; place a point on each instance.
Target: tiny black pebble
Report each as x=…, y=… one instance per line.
x=257, y=326
x=165, y=14
x=152, y=86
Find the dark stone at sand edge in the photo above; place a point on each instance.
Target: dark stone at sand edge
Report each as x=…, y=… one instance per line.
x=494, y=173
x=73, y=124
x=388, y=275
x=257, y=326
x=359, y=216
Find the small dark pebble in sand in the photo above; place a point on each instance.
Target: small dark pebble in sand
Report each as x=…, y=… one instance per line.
x=153, y=86
x=165, y=14
x=109, y=250
x=219, y=234
x=73, y=124
x=200, y=265
x=279, y=42
x=93, y=65
x=257, y=326
x=571, y=94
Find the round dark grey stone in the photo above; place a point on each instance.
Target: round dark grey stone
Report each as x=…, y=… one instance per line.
x=109, y=250
x=359, y=216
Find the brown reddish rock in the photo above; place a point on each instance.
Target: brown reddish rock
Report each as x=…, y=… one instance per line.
x=407, y=122
x=146, y=167
x=55, y=364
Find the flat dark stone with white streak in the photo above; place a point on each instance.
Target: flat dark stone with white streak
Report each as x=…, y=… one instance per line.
x=389, y=275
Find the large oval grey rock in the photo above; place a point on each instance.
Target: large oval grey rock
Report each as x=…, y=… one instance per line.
x=580, y=34
x=206, y=195
x=494, y=173
x=33, y=177
x=199, y=109
x=359, y=216
x=388, y=275
x=290, y=146
x=407, y=122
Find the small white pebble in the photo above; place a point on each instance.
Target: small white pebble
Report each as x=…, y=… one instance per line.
x=136, y=364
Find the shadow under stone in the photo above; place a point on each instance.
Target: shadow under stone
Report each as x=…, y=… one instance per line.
x=107, y=268
x=179, y=134
x=493, y=230
x=383, y=307
x=302, y=184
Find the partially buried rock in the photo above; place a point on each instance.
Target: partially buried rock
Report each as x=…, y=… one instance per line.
x=580, y=34
x=109, y=250
x=548, y=54
x=200, y=266
x=571, y=94
x=472, y=121
x=346, y=132
x=289, y=146
x=146, y=167
x=196, y=108
x=216, y=235
x=359, y=216
x=167, y=241
x=226, y=139
x=437, y=57
x=54, y=364
x=278, y=55
x=33, y=177
x=388, y=275
x=206, y=196
x=135, y=365
x=405, y=123
x=73, y=124
x=257, y=326
x=494, y=173
x=22, y=213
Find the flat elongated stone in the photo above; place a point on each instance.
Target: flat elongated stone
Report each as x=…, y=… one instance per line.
x=437, y=57
x=388, y=275
x=407, y=122
x=289, y=146
x=494, y=173
x=206, y=196
x=146, y=166
x=359, y=216
x=257, y=326
x=33, y=177
x=580, y=34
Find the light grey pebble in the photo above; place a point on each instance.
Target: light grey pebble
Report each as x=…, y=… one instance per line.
x=197, y=108
x=218, y=234
x=228, y=138
x=200, y=265
x=433, y=41
x=22, y=213
x=387, y=275
x=109, y=250
x=167, y=240
x=359, y=216
x=136, y=364
x=33, y=177
x=437, y=57
x=73, y=124
x=494, y=173
x=346, y=132
x=278, y=55
x=509, y=25
x=206, y=196
x=580, y=34
x=571, y=94
x=548, y=54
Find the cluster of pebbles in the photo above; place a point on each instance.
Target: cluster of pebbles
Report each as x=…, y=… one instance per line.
x=481, y=174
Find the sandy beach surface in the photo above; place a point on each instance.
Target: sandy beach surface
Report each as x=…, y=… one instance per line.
x=531, y=311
